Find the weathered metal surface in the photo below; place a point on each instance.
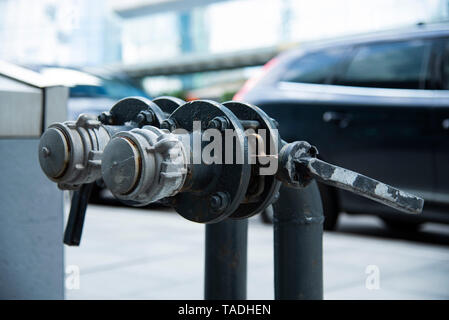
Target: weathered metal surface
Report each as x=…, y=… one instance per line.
x=299, y=165
x=54, y=153
x=121, y=165
x=362, y=185
x=128, y=109
x=225, y=267
x=298, y=244
x=70, y=152
x=168, y=104
x=204, y=181
x=263, y=188
x=147, y=160
x=144, y=165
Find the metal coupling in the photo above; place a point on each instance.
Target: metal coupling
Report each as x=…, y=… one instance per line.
x=144, y=165
x=299, y=165
x=70, y=152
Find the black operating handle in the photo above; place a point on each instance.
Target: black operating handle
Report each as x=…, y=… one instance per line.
x=74, y=228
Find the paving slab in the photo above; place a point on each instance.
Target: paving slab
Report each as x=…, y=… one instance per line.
x=130, y=253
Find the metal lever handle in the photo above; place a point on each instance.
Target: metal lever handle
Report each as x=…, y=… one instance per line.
x=299, y=166
x=362, y=185
x=74, y=228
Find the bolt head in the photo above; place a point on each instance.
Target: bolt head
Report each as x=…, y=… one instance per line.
x=145, y=117
x=219, y=201
x=219, y=123
x=140, y=118
x=215, y=202
x=213, y=124
x=105, y=118
x=45, y=152
x=168, y=124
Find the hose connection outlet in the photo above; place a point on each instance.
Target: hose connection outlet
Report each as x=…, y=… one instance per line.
x=144, y=165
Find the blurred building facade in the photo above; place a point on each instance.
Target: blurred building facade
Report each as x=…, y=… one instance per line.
x=155, y=31
x=167, y=30
x=137, y=32
x=66, y=33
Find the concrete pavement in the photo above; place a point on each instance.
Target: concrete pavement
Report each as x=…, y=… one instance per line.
x=129, y=253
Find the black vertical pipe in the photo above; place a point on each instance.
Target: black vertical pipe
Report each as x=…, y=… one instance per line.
x=298, y=246
x=226, y=260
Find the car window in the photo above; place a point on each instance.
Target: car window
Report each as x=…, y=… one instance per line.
x=317, y=67
x=389, y=65
x=114, y=89
x=445, y=67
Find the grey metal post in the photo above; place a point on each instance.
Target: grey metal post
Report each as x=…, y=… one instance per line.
x=298, y=247
x=31, y=213
x=226, y=260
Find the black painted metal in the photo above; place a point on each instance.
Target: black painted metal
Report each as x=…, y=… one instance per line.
x=299, y=165
x=74, y=228
x=298, y=246
x=168, y=104
x=256, y=201
x=128, y=109
x=212, y=193
x=226, y=260
x=194, y=203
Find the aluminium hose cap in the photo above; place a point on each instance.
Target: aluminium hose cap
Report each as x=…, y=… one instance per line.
x=70, y=152
x=144, y=165
x=53, y=153
x=122, y=165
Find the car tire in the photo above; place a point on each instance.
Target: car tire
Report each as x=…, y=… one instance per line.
x=401, y=225
x=330, y=206
x=267, y=215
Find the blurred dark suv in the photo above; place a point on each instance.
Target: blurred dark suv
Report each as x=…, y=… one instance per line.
x=377, y=104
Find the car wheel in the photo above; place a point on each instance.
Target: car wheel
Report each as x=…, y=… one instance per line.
x=267, y=215
x=330, y=206
x=402, y=226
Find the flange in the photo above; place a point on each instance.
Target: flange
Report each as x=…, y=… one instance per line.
x=168, y=104
x=207, y=199
x=139, y=110
x=262, y=189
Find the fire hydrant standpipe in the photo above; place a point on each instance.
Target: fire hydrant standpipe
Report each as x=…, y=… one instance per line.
x=298, y=244
x=146, y=151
